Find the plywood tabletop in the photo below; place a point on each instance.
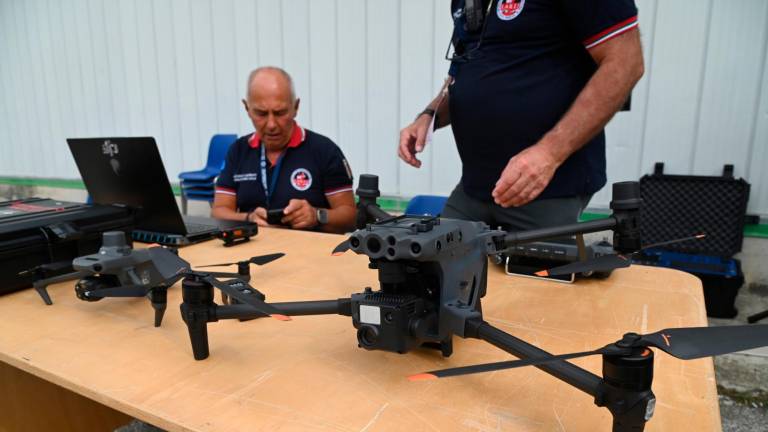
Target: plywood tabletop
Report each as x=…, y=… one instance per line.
x=309, y=374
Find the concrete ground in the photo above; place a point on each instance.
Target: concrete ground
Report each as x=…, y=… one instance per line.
x=742, y=378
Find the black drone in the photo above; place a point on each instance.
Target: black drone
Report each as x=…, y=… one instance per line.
x=432, y=276
x=117, y=270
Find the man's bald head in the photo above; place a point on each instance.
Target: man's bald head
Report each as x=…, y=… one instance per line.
x=270, y=79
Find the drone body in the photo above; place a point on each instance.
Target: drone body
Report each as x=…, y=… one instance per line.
x=432, y=273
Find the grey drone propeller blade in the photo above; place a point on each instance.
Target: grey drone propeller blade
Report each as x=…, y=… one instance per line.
x=669, y=242
x=489, y=367
x=258, y=260
x=601, y=263
x=341, y=248
x=696, y=342
x=168, y=264
x=245, y=296
x=122, y=291
x=266, y=259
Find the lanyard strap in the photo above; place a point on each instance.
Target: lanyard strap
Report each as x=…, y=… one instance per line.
x=268, y=191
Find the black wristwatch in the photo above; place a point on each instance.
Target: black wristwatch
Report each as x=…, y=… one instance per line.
x=322, y=216
x=428, y=111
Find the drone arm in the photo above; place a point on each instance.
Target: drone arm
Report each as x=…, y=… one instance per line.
x=573, y=375
x=340, y=306
x=625, y=388
x=540, y=234
x=42, y=285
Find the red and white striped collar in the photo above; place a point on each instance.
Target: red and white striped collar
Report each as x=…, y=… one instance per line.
x=297, y=137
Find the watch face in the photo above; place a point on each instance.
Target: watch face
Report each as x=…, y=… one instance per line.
x=322, y=216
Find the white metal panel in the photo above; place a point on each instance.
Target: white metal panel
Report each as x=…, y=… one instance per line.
x=758, y=168
x=176, y=70
x=193, y=142
x=676, y=71
x=731, y=87
x=323, y=80
x=204, y=84
x=383, y=61
x=416, y=88
x=246, y=56
x=352, y=78
x=296, y=40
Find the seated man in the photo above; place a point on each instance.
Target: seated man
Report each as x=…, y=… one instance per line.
x=283, y=165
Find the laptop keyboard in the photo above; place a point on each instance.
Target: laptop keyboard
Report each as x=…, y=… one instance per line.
x=194, y=228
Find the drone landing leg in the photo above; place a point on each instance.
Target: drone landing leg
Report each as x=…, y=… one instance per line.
x=159, y=299
x=42, y=285
x=445, y=347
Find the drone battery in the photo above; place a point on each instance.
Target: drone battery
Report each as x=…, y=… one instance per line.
x=39, y=231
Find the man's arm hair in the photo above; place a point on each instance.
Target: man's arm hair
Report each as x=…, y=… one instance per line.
x=619, y=67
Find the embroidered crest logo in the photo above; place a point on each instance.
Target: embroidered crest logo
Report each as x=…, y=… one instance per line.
x=301, y=179
x=508, y=10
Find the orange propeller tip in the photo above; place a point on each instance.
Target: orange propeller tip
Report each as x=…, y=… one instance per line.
x=337, y=253
x=542, y=273
x=151, y=245
x=422, y=377
x=281, y=317
x=702, y=235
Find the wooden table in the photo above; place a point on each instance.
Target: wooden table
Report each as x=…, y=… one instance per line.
x=309, y=374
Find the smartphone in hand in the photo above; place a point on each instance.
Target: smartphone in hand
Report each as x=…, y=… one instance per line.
x=275, y=216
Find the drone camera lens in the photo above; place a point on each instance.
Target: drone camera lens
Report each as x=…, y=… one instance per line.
x=391, y=251
x=354, y=242
x=367, y=336
x=97, y=268
x=415, y=248
x=391, y=240
x=373, y=244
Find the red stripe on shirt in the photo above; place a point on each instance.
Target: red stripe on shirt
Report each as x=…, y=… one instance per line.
x=610, y=29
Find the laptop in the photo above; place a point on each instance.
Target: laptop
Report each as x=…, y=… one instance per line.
x=129, y=172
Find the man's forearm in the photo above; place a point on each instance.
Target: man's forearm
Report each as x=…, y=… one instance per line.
x=440, y=105
x=340, y=219
x=600, y=99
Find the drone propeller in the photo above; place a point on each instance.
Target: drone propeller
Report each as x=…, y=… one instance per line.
x=683, y=343
x=341, y=248
x=608, y=262
x=245, y=294
x=258, y=260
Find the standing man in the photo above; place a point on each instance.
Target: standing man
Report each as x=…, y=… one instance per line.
x=532, y=85
x=284, y=166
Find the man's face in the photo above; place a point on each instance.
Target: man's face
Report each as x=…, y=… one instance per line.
x=272, y=113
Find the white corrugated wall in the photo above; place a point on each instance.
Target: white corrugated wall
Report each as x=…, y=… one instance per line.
x=175, y=69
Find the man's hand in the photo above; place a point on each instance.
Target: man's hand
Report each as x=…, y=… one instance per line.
x=412, y=140
x=525, y=176
x=300, y=214
x=259, y=216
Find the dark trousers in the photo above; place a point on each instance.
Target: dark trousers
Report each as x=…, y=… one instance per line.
x=536, y=214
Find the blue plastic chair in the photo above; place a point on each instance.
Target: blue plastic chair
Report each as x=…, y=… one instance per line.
x=200, y=184
x=431, y=205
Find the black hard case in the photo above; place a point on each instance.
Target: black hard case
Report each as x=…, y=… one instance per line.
x=37, y=231
x=677, y=206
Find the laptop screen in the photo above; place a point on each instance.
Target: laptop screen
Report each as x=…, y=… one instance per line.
x=129, y=172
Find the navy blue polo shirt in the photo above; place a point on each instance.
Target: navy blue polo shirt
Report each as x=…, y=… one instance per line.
x=531, y=64
x=312, y=167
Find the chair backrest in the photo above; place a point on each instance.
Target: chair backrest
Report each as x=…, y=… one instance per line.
x=217, y=150
x=426, y=205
